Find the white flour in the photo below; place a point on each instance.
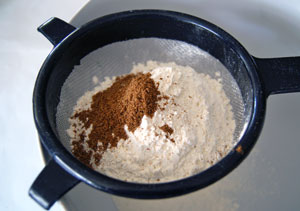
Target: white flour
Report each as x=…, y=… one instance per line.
x=197, y=110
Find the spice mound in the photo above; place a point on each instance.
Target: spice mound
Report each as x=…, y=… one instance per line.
x=124, y=103
x=159, y=123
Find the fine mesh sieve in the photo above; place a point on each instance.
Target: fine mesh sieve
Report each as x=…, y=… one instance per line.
x=118, y=58
x=109, y=46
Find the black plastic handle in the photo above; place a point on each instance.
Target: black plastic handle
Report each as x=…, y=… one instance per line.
x=51, y=184
x=279, y=75
x=55, y=30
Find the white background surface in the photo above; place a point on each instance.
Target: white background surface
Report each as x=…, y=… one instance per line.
x=267, y=180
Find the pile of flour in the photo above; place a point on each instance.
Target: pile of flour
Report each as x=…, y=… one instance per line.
x=197, y=110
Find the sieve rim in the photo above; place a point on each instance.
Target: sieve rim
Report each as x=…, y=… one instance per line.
x=155, y=190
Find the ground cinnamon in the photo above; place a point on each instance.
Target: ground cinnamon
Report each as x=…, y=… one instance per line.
x=124, y=103
x=168, y=130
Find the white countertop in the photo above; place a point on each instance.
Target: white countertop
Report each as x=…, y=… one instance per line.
x=267, y=179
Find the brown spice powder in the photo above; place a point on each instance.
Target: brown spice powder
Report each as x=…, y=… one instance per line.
x=168, y=130
x=239, y=150
x=125, y=102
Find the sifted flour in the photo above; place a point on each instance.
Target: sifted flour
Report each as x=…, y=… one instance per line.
x=192, y=130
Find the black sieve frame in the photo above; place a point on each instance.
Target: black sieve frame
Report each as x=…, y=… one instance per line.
x=125, y=26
